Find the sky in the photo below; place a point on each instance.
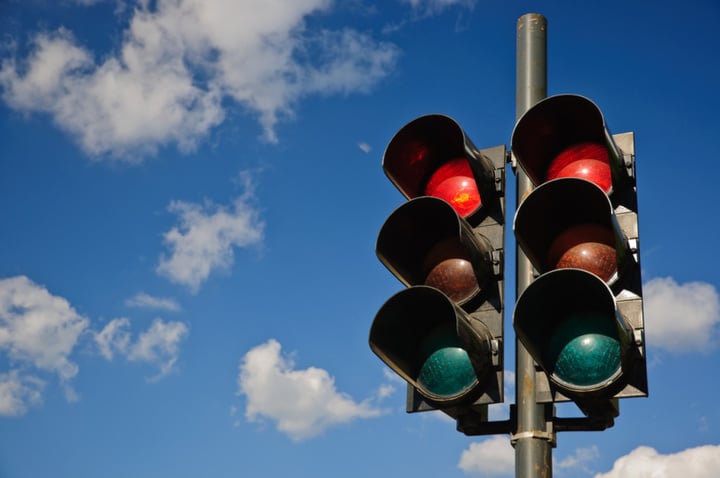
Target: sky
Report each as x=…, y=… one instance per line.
x=190, y=194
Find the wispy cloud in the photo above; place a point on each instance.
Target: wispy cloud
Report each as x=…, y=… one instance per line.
x=159, y=345
x=579, y=461
x=146, y=301
x=302, y=403
x=114, y=337
x=179, y=62
x=18, y=392
x=206, y=236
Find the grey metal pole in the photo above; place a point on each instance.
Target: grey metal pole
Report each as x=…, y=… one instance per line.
x=533, y=446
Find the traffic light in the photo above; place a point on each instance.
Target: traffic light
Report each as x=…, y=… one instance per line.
x=444, y=333
x=581, y=319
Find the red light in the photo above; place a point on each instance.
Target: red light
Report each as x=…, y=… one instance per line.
x=588, y=161
x=454, y=182
x=451, y=271
x=590, y=247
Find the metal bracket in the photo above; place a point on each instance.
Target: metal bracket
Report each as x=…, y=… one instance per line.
x=499, y=179
x=634, y=248
x=510, y=158
x=548, y=435
x=625, y=144
x=476, y=424
x=496, y=256
x=639, y=338
x=629, y=161
x=584, y=424
x=496, y=347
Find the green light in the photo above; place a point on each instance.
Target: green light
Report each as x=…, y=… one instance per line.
x=446, y=370
x=584, y=350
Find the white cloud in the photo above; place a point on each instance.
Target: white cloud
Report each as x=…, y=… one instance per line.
x=364, y=147
x=393, y=382
x=579, y=460
x=492, y=457
x=143, y=300
x=37, y=330
x=158, y=345
x=17, y=392
x=206, y=236
x=302, y=403
x=645, y=462
x=37, y=327
x=113, y=338
x=681, y=317
x=122, y=109
x=385, y=391
x=178, y=61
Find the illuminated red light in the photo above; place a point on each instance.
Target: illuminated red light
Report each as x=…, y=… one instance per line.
x=454, y=182
x=590, y=247
x=588, y=161
x=451, y=271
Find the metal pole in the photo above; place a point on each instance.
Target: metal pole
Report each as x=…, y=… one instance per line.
x=533, y=437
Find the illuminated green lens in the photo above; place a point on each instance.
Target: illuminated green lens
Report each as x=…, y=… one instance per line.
x=446, y=370
x=584, y=350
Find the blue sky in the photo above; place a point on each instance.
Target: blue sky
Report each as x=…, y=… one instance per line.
x=190, y=193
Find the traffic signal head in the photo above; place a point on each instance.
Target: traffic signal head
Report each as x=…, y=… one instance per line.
x=565, y=136
x=443, y=334
x=432, y=156
x=581, y=319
